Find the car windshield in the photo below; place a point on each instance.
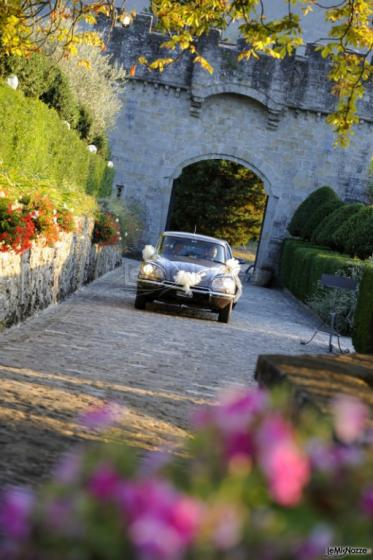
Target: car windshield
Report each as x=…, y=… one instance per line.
x=174, y=247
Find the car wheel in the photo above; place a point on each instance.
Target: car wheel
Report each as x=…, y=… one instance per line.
x=140, y=301
x=224, y=314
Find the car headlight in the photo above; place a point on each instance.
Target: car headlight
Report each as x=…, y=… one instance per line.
x=224, y=284
x=151, y=271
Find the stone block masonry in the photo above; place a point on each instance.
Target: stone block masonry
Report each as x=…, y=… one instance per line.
x=45, y=275
x=268, y=115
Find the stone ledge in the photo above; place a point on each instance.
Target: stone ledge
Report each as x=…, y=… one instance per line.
x=316, y=379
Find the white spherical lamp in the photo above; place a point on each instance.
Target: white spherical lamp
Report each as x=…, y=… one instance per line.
x=92, y=148
x=12, y=81
x=110, y=164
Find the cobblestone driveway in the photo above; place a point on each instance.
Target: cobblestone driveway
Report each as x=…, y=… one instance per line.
x=158, y=363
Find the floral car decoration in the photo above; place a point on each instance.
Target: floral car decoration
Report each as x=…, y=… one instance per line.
x=190, y=269
x=250, y=485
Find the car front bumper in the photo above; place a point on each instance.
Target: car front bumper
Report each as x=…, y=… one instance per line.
x=172, y=293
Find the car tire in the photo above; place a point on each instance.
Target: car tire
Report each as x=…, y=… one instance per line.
x=140, y=301
x=224, y=314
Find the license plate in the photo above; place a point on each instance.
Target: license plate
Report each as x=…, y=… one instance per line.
x=181, y=293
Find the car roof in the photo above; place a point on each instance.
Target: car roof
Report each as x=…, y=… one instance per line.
x=198, y=236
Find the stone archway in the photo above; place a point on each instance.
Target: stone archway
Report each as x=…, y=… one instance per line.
x=263, y=258
x=267, y=115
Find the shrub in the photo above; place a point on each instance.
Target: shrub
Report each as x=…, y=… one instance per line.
x=302, y=265
x=308, y=207
x=317, y=216
x=17, y=228
x=363, y=326
x=323, y=235
x=41, y=78
x=106, y=229
x=35, y=141
x=59, y=96
x=130, y=222
x=255, y=486
x=324, y=301
x=356, y=230
x=360, y=242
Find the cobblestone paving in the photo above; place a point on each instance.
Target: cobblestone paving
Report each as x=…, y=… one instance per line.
x=159, y=363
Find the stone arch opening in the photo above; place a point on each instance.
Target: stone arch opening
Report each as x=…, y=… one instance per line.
x=181, y=209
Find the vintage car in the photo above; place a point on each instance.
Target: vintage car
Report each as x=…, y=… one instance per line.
x=190, y=269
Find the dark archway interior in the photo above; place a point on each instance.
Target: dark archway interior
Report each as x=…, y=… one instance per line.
x=220, y=198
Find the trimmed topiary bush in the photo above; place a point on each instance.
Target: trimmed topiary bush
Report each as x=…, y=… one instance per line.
x=360, y=241
x=308, y=207
x=345, y=237
x=323, y=235
x=317, y=216
x=362, y=337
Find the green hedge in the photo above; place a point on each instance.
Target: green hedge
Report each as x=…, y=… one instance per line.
x=362, y=336
x=34, y=141
x=306, y=210
x=302, y=265
x=323, y=234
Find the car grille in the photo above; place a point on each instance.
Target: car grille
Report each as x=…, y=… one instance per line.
x=197, y=288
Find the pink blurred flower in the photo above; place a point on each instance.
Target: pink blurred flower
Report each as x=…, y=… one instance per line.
x=287, y=471
x=162, y=522
x=104, y=482
x=61, y=516
x=15, y=511
x=100, y=418
x=237, y=409
x=273, y=430
x=367, y=501
x=239, y=444
x=329, y=457
x=350, y=417
x=68, y=469
x=227, y=528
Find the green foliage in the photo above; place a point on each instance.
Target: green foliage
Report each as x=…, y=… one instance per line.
x=35, y=141
x=60, y=97
x=360, y=241
x=308, y=207
x=318, y=215
x=323, y=235
x=324, y=301
x=363, y=325
x=302, y=265
x=40, y=77
x=221, y=198
x=84, y=124
x=106, y=229
x=355, y=236
x=130, y=222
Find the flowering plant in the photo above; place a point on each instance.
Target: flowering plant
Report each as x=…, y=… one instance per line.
x=252, y=486
x=106, y=230
x=28, y=218
x=17, y=229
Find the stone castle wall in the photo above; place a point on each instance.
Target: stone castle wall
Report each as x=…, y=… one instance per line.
x=266, y=114
x=45, y=275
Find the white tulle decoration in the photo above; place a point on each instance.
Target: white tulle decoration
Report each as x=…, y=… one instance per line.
x=233, y=267
x=148, y=252
x=188, y=279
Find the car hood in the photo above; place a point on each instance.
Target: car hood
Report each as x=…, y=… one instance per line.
x=172, y=267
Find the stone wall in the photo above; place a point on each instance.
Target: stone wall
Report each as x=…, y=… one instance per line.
x=45, y=275
x=268, y=115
